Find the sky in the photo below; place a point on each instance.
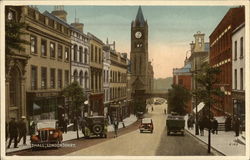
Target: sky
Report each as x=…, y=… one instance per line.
x=171, y=29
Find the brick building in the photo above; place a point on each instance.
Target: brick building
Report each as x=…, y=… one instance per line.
x=221, y=56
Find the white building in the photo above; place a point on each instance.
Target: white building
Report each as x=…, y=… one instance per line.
x=238, y=70
x=106, y=76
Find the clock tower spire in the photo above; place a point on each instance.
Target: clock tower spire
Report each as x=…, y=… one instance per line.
x=139, y=52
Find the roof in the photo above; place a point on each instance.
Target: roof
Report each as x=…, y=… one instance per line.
x=185, y=69
x=55, y=18
x=139, y=20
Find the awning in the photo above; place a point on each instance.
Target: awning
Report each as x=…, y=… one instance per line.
x=199, y=107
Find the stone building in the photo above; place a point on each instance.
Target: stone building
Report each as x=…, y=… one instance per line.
x=118, y=82
x=106, y=76
x=221, y=56
x=48, y=69
x=238, y=71
x=96, y=97
x=199, y=54
x=15, y=70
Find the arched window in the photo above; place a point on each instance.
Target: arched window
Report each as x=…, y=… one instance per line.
x=85, y=56
x=75, y=75
x=81, y=78
x=86, y=80
x=75, y=53
x=14, y=86
x=80, y=55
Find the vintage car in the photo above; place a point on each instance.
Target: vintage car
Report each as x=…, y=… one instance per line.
x=95, y=126
x=146, y=125
x=175, y=124
x=47, y=134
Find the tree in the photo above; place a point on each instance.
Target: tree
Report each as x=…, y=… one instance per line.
x=75, y=93
x=177, y=98
x=207, y=78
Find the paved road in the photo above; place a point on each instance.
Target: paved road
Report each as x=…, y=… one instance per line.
x=147, y=144
x=131, y=142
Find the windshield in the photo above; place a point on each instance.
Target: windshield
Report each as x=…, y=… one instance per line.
x=146, y=120
x=46, y=124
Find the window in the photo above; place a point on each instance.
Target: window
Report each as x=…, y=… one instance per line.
x=59, y=50
x=66, y=77
x=241, y=47
x=92, y=52
x=52, y=78
x=33, y=77
x=85, y=55
x=81, y=78
x=95, y=54
x=43, y=78
x=86, y=80
x=75, y=75
x=66, y=53
x=52, y=49
x=100, y=56
x=33, y=45
x=59, y=78
x=80, y=54
x=235, y=79
x=11, y=15
x=180, y=82
x=241, y=79
x=51, y=23
x=44, y=47
x=75, y=53
x=235, y=50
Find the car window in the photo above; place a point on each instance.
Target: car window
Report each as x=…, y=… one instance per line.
x=146, y=120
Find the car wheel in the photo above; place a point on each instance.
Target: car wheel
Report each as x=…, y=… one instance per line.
x=97, y=129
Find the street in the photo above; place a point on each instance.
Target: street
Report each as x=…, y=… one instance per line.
x=147, y=144
x=131, y=142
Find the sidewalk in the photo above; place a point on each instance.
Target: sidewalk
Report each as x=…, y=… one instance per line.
x=67, y=136
x=224, y=142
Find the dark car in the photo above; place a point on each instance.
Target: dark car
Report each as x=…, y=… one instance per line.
x=95, y=126
x=146, y=125
x=175, y=124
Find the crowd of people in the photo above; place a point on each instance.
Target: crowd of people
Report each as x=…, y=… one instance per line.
x=16, y=130
x=212, y=124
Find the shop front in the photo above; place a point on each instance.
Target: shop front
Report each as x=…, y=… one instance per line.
x=96, y=104
x=45, y=105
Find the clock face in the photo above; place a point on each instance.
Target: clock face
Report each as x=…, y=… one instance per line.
x=138, y=34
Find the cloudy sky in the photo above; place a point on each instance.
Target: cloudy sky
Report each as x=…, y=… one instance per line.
x=171, y=28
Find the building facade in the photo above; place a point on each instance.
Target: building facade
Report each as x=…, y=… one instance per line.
x=221, y=57
x=118, y=83
x=238, y=71
x=199, y=54
x=183, y=76
x=96, y=97
x=15, y=70
x=106, y=76
x=48, y=69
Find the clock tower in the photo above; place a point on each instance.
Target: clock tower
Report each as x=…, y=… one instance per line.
x=139, y=53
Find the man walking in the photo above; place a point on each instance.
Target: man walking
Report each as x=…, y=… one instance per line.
x=22, y=130
x=13, y=132
x=116, y=123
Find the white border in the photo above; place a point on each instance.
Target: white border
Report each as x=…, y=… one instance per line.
x=127, y=3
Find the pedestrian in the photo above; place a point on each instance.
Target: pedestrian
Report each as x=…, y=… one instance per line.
x=32, y=128
x=116, y=124
x=152, y=109
x=13, y=132
x=165, y=111
x=201, y=124
x=189, y=123
x=215, y=126
x=237, y=126
x=22, y=126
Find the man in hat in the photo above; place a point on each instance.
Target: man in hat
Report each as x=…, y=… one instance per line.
x=22, y=130
x=13, y=132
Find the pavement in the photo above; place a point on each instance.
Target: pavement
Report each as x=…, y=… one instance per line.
x=224, y=142
x=70, y=135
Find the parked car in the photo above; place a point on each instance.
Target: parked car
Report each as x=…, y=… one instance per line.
x=175, y=124
x=47, y=134
x=146, y=125
x=95, y=126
